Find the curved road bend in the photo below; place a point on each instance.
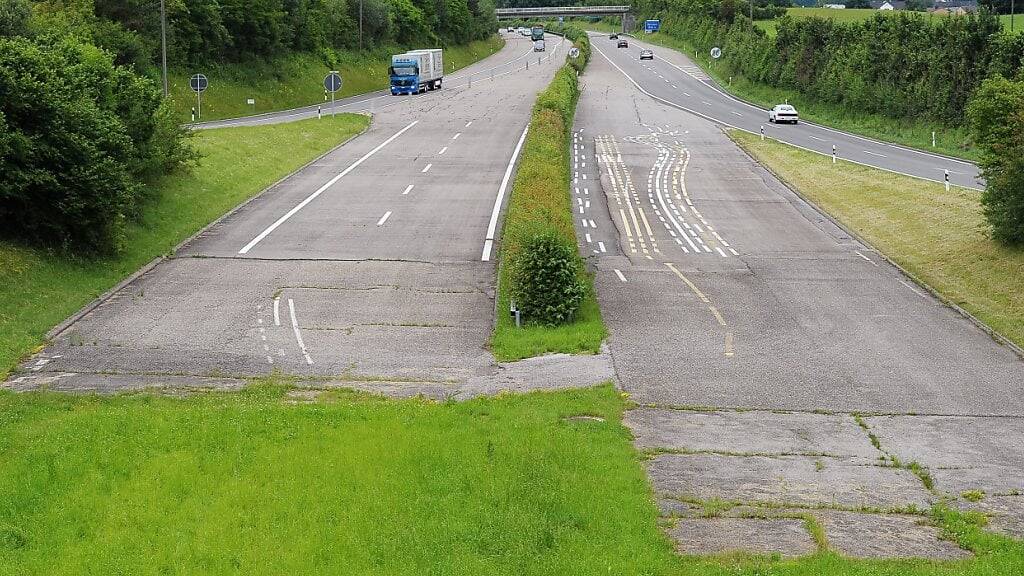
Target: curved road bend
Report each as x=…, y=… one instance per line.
x=512, y=58
x=673, y=79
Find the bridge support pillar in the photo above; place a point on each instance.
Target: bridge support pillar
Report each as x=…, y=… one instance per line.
x=628, y=22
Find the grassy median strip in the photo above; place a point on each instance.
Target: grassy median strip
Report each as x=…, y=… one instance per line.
x=297, y=79
x=39, y=288
x=540, y=202
x=938, y=236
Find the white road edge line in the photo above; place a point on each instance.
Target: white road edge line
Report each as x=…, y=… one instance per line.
x=298, y=335
x=321, y=190
x=493, y=225
x=619, y=274
x=384, y=218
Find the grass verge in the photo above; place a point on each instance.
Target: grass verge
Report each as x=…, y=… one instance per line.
x=266, y=482
x=297, y=79
x=41, y=288
x=938, y=237
x=949, y=140
x=539, y=201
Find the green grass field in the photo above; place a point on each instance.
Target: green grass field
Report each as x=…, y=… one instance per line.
x=938, y=236
x=297, y=80
x=41, y=289
x=266, y=481
x=853, y=15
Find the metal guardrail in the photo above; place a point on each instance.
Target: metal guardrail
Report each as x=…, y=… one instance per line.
x=563, y=11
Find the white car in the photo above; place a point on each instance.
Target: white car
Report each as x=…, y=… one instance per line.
x=783, y=113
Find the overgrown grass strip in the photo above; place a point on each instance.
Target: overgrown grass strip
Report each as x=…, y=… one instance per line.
x=540, y=203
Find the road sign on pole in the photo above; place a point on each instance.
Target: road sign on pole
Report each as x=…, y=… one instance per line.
x=574, y=52
x=199, y=84
x=652, y=26
x=332, y=83
x=716, y=52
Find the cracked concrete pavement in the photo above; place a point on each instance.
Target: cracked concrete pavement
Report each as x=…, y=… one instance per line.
x=769, y=351
x=362, y=270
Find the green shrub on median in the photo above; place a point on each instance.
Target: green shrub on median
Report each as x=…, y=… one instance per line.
x=538, y=244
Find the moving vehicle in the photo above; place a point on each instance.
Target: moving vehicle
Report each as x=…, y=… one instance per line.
x=538, y=46
x=537, y=33
x=511, y=29
x=524, y=31
x=647, y=55
x=623, y=44
x=613, y=37
x=783, y=113
x=416, y=71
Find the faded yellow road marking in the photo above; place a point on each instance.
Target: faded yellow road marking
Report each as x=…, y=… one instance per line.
x=692, y=286
x=718, y=315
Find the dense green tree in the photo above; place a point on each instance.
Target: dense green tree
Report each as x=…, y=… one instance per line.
x=997, y=119
x=14, y=17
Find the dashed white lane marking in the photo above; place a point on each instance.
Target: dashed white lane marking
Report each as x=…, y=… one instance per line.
x=816, y=138
x=277, y=311
x=442, y=151
x=588, y=239
x=408, y=189
x=593, y=224
x=866, y=258
x=619, y=274
x=298, y=334
x=457, y=134
x=736, y=113
x=600, y=246
x=492, y=226
x=687, y=94
x=874, y=153
x=674, y=86
x=914, y=290
x=720, y=252
x=734, y=252
x=469, y=123
x=584, y=222
x=321, y=190
x=384, y=218
x=425, y=168
x=706, y=102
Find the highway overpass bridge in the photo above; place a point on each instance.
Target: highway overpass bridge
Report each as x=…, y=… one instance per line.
x=569, y=11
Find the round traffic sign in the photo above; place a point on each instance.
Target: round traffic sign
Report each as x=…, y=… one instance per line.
x=716, y=52
x=332, y=82
x=198, y=82
x=574, y=52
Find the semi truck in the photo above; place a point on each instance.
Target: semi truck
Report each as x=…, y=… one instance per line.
x=537, y=33
x=416, y=71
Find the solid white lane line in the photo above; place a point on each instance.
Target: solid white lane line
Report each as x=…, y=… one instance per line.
x=298, y=335
x=914, y=290
x=425, y=168
x=492, y=226
x=456, y=137
x=277, y=312
x=384, y=218
x=442, y=151
x=619, y=274
x=408, y=189
x=321, y=190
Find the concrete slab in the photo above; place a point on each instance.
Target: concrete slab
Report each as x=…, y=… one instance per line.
x=1005, y=513
x=885, y=536
x=783, y=536
x=754, y=432
x=796, y=480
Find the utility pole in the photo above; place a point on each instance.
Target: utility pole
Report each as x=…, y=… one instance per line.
x=360, y=24
x=1012, y=12
x=163, y=41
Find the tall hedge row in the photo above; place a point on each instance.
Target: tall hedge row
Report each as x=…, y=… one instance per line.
x=538, y=245
x=902, y=64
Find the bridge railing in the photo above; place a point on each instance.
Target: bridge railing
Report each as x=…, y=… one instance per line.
x=564, y=11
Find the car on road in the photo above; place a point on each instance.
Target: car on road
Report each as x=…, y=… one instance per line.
x=783, y=113
x=647, y=55
x=623, y=44
x=613, y=37
x=511, y=29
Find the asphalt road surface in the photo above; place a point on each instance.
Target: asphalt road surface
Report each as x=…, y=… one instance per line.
x=764, y=344
x=368, y=265
x=675, y=80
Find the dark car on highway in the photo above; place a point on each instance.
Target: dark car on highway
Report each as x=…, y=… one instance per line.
x=613, y=37
x=623, y=44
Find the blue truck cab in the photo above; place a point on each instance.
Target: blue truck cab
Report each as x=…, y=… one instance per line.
x=405, y=75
